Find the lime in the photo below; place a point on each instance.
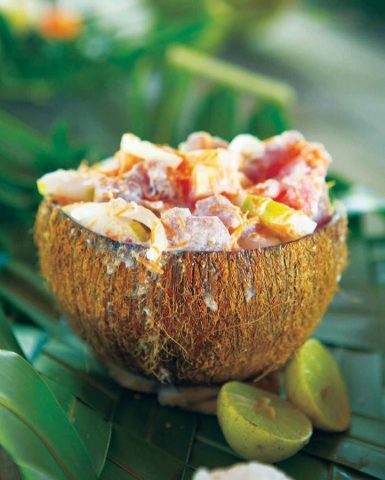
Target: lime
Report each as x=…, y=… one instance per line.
x=314, y=384
x=260, y=425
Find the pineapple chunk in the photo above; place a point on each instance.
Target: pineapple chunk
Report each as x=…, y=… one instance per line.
x=213, y=172
x=204, y=180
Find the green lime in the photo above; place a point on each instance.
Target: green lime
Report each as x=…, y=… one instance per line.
x=260, y=425
x=315, y=385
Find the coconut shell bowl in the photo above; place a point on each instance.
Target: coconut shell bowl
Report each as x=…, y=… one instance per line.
x=210, y=317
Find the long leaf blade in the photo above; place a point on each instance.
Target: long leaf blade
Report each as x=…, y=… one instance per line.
x=7, y=338
x=24, y=395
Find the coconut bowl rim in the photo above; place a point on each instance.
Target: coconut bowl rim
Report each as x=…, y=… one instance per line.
x=338, y=213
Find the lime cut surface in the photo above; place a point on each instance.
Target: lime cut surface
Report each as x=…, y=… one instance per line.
x=259, y=425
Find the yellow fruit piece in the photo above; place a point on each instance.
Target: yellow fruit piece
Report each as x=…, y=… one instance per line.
x=204, y=181
x=314, y=384
x=281, y=219
x=259, y=425
x=213, y=172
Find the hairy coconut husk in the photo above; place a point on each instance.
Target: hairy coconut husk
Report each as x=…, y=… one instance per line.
x=210, y=317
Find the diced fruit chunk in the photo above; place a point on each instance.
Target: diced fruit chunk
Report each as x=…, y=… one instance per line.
x=189, y=232
x=221, y=207
x=314, y=384
x=213, y=172
x=207, y=233
x=279, y=218
x=259, y=425
x=116, y=218
x=204, y=181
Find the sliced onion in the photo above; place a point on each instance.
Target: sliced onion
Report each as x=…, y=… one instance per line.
x=69, y=184
x=86, y=213
x=159, y=241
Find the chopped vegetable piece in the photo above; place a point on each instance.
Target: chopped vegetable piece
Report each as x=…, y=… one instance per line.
x=69, y=185
x=314, y=384
x=220, y=206
x=110, y=218
x=281, y=219
x=188, y=232
x=99, y=218
x=213, y=172
x=259, y=425
x=159, y=241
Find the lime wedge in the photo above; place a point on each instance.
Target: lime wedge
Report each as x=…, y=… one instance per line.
x=314, y=384
x=259, y=425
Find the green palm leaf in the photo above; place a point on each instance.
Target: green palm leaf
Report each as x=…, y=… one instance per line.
x=27, y=404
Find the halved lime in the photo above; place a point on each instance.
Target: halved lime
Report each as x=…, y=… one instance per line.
x=259, y=425
x=315, y=385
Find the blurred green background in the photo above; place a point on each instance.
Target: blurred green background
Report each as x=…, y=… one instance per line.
x=75, y=75
x=330, y=53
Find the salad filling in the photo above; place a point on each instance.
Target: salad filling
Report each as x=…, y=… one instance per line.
x=207, y=195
